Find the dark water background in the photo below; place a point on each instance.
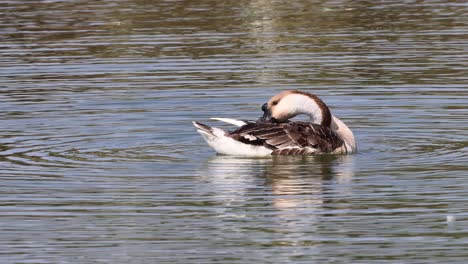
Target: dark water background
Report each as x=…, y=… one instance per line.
x=99, y=162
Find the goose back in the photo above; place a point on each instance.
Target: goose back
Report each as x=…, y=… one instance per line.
x=289, y=138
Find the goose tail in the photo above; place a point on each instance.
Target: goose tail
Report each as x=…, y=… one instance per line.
x=209, y=133
x=202, y=128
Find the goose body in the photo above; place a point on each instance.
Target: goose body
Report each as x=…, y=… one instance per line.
x=275, y=134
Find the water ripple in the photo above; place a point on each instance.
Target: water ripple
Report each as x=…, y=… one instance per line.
x=99, y=161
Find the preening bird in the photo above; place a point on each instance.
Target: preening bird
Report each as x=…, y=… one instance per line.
x=275, y=134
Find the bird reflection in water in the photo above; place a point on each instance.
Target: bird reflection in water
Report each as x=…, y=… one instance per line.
x=281, y=197
x=283, y=182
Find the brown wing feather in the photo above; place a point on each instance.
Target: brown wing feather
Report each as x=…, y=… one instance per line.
x=292, y=138
x=279, y=140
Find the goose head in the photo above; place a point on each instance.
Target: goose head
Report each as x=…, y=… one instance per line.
x=291, y=103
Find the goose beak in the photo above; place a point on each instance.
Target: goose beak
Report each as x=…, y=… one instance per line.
x=266, y=113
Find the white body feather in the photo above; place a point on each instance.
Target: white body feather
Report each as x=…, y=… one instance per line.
x=230, y=121
x=217, y=139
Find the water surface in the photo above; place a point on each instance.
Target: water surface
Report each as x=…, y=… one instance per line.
x=99, y=162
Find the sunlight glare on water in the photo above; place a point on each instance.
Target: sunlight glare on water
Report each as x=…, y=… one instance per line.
x=99, y=162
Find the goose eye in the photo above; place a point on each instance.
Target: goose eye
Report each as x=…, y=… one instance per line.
x=274, y=103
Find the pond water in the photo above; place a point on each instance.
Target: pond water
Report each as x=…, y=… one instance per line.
x=99, y=162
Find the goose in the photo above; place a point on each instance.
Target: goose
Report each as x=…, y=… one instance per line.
x=275, y=134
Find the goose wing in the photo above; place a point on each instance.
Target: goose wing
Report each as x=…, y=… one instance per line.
x=292, y=138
